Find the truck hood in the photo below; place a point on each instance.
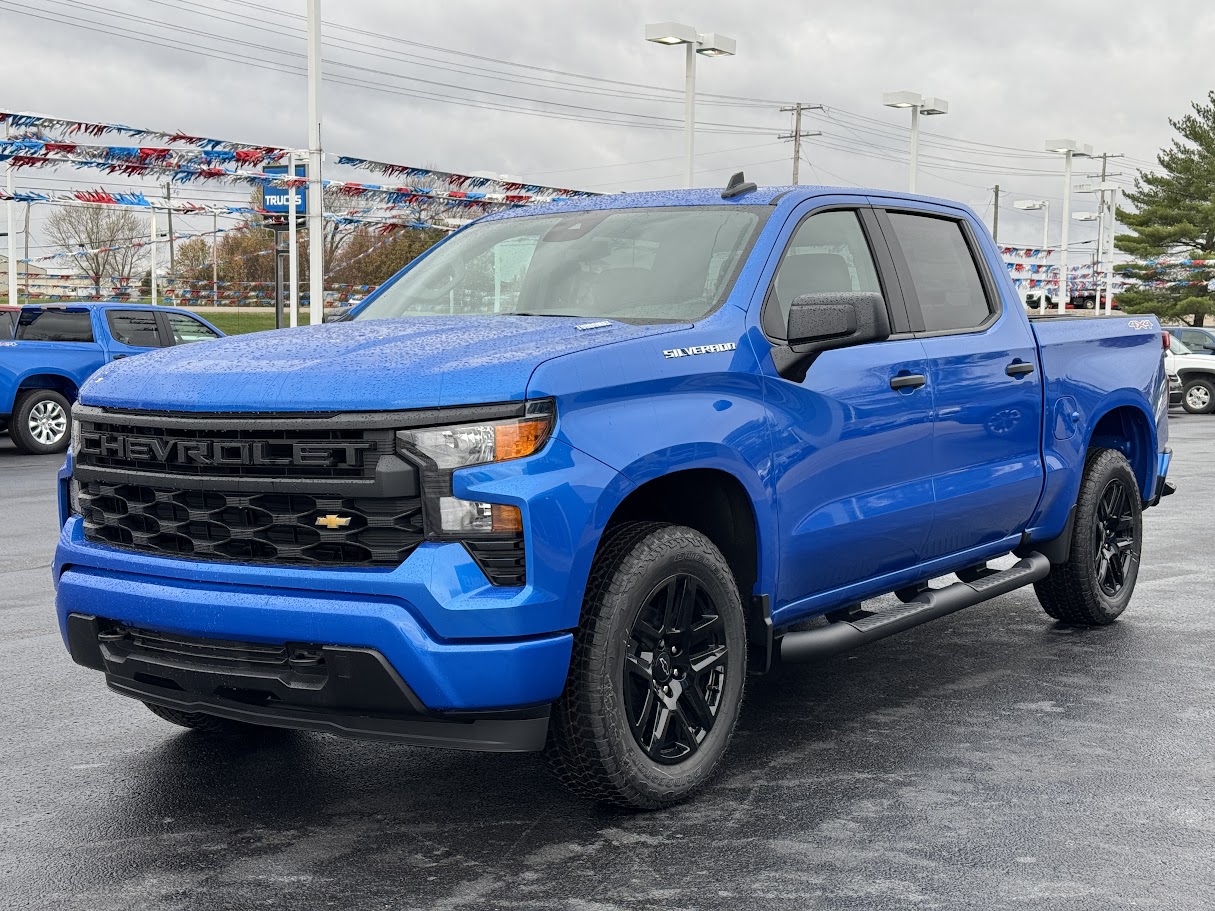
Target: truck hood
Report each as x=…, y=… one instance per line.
x=371, y=365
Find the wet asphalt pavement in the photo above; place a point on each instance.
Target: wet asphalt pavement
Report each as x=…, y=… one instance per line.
x=992, y=759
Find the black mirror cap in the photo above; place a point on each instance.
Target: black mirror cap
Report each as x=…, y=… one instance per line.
x=822, y=322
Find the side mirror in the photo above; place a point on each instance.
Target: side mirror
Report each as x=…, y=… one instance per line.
x=821, y=322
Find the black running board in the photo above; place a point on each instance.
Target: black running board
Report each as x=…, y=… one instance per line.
x=824, y=641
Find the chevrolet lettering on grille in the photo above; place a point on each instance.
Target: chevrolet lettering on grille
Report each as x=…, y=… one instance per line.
x=223, y=452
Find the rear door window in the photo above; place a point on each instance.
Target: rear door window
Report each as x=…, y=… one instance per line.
x=55, y=326
x=943, y=272
x=186, y=329
x=136, y=328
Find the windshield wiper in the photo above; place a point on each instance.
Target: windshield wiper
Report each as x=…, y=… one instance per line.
x=530, y=313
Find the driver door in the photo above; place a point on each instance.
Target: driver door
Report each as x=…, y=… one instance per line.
x=852, y=454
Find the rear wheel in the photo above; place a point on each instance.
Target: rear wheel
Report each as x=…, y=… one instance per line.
x=41, y=422
x=208, y=724
x=1095, y=585
x=1198, y=397
x=657, y=674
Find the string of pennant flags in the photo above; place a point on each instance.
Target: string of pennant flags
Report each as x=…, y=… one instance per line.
x=183, y=174
x=257, y=154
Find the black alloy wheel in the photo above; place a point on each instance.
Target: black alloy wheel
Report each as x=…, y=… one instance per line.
x=675, y=670
x=1114, y=542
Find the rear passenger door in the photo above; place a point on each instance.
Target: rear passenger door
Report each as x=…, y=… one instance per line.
x=133, y=332
x=984, y=376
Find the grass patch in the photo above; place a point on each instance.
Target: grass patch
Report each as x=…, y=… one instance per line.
x=238, y=322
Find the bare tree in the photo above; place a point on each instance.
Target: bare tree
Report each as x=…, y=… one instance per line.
x=105, y=235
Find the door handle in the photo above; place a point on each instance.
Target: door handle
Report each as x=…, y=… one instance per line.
x=119, y=357
x=1019, y=368
x=908, y=381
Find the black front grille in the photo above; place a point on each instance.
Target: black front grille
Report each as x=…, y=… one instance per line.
x=215, y=653
x=251, y=452
x=293, y=528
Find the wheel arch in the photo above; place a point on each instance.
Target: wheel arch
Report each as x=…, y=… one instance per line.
x=1128, y=429
x=63, y=383
x=719, y=505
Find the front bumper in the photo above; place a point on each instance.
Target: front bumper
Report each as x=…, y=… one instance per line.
x=1175, y=391
x=353, y=692
x=458, y=642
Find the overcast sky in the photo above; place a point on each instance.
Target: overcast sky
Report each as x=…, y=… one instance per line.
x=1107, y=72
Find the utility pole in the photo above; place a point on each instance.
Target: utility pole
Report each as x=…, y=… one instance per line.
x=797, y=135
x=215, y=259
x=995, y=221
x=169, y=201
x=25, y=266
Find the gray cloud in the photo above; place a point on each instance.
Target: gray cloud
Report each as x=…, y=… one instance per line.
x=1109, y=72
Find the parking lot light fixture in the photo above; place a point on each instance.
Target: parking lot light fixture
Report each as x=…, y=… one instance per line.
x=707, y=45
x=1034, y=205
x=918, y=104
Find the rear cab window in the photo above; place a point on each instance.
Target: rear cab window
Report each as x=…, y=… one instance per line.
x=54, y=325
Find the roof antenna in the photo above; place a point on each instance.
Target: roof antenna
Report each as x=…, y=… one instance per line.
x=737, y=186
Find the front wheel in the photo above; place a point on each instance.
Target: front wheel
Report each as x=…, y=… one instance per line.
x=1198, y=397
x=1095, y=585
x=656, y=678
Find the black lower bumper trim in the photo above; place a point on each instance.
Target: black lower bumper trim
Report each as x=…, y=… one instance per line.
x=334, y=689
x=512, y=735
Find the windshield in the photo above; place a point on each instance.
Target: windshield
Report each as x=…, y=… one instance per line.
x=1177, y=346
x=661, y=265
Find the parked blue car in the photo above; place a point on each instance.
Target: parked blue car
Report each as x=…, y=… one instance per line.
x=570, y=476
x=48, y=351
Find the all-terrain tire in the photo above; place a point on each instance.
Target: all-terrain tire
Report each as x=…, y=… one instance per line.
x=41, y=422
x=208, y=724
x=591, y=744
x=1081, y=592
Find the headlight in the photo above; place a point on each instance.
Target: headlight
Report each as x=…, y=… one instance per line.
x=441, y=450
x=462, y=445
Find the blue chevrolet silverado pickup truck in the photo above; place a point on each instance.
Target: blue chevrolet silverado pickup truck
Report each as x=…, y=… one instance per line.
x=47, y=352
x=570, y=476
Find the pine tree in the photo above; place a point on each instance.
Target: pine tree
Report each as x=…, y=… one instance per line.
x=1175, y=216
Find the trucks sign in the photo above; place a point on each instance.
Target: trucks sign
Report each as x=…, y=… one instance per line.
x=276, y=199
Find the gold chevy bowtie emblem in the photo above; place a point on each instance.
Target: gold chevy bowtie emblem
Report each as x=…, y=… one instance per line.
x=331, y=521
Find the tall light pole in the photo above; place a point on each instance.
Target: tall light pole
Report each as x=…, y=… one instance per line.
x=10, y=224
x=694, y=42
x=1069, y=149
x=1033, y=205
x=316, y=236
x=918, y=104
